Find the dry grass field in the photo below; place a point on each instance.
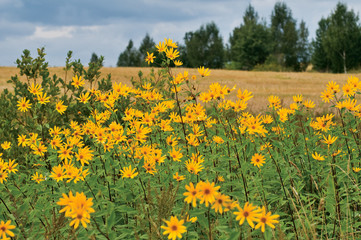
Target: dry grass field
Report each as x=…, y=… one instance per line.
x=262, y=84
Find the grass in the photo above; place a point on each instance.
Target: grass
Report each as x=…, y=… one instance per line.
x=262, y=84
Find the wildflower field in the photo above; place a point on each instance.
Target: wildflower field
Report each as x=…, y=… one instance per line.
x=83, y=157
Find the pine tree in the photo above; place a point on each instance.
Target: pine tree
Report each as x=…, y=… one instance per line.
x=130, y=57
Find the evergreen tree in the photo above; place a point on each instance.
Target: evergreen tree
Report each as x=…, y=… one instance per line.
x=204, y=47
x=284, y=36
x=303, y=47
x=249, y=43
x=130, y=57
x=320, y=60
x=94, y=58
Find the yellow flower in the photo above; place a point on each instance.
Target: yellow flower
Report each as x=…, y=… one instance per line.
x=203, y=72
x=170, y=43
x=258, y=160
x=174, y=228
x=218, y=140
x=42, y=98
x=6, y=145
x=128, y=172
x=35, y=89
x=23, y=105
x=60, y=107
x=221, y=201
x=249, y=212
x=356, y=169
x=84, y=97
x=266, y=219
x=191, y=195
x=77, y=81
x=77, y=207
x=149, y=58
x=171, y=53
x=193, y=166
x=178, y=177
x=297, y=98
x=327, y=95
x=318, y=157
x=207, y=192
x=329, y=140
x=3, y=175
x=178, y=63
x=274, y=102
x=37, y=178
x=161, y=47
x=5, y=229
x=309, y=104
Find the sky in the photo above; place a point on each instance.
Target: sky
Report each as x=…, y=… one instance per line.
x=105, y=27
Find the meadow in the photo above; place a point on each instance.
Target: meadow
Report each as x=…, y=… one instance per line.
x=174, y=153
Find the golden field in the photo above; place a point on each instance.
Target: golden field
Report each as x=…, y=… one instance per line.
x=262, y=84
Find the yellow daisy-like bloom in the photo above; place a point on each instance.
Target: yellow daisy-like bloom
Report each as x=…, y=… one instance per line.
x=3, y=175
x=60, y=107
x=204, y=72
x=77, y=82
x=6, y=145
x=318, y=157
x=35, y=89
x=149, y=58
x=327, y=95
x=37, y=177
x=161, y=47
x=178, y=63
x=77, y=207
x=174, y=228
x=23, y=105
x=249, y=212
x=258, y=160
x=42, y=98
x=170, y=43
x=218, y=139
x=221, y=201
x=178, y=177
x=274, y=101
x=309, y=104
x=84, y=97
x=329, y=140
x=5, y=229
x=193, y=166
x=266, y=219
x=207, y=192
x=128, y=172
x=171, y=53
x=191, y=195
x=297, y=98
x=356, y=169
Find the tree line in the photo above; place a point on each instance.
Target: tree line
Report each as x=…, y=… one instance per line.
x=282, y=45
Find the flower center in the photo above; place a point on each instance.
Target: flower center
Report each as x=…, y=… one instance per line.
x=174, y=228
x=263, y=220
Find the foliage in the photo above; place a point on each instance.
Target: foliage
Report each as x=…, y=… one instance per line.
x=204, y=47
x=85, y=158
x=130, y=57
x=338, y=38
x=249, y=43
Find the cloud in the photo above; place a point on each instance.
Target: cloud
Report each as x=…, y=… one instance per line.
x=51, y=32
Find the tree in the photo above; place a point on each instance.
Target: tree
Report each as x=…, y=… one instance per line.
x=94, y=58
x=342, y=40
x=320, y=60
x=284, y=36
x=303, y=47
x=147, y=45
x=204, y=47
x=249, y=43
x=130, y=57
